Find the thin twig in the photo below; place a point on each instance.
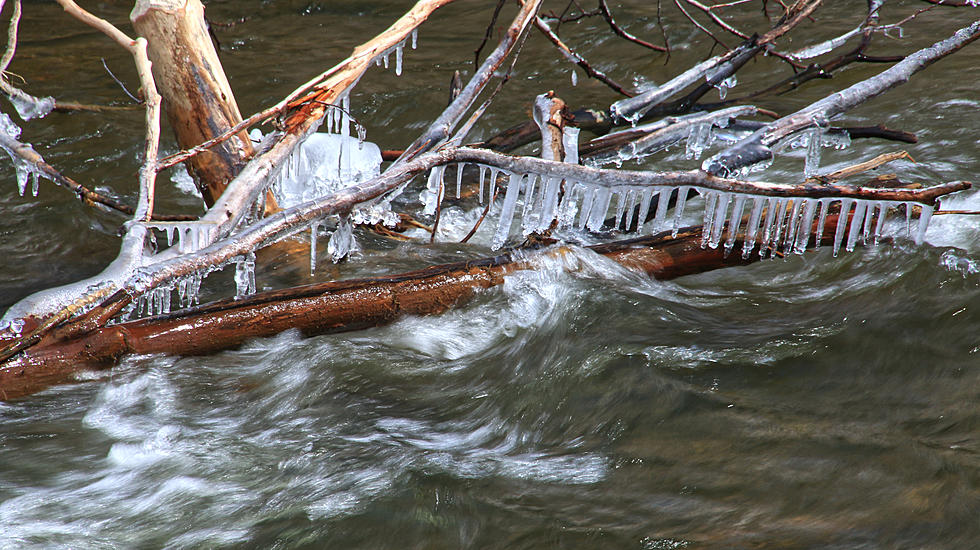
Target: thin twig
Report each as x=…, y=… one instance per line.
x=607, y=15
x=578, y=59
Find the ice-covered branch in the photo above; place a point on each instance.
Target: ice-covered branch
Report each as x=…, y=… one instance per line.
x=756, y=148
x=59, y=304
x=28, y=164
x=325, y=84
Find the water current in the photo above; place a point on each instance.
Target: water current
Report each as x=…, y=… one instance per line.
x=806, y=402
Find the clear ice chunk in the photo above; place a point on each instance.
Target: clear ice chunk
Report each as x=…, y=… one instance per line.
x=324, y=164
x=341, y=240
x=28, y=106
x=245, y=276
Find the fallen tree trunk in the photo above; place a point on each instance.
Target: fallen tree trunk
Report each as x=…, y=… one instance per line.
x=338, y=307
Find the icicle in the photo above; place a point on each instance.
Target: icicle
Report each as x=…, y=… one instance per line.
x=813, y=153
x=789, y=243
x=529, y=190
x=621, y=196
x=483, y=175
x=567, y=208
x=857, y=221
x=165, y=300
x=599, y=208
x=663, y=203
x=245, y=276
x=710, y=198
x=361, y=135
x=818, y=234
x=574, y=78
x=806, y=226
x=753, y=227
x=588, y=199
x=182, y=291
x=632, y=197
x=781, y=222
x=924, y=217
x=345, y=116
x=194, y=289
x=645, y=198
x=21, y=178
x=718, y=224
x=549, y=203
x=493, y=184
x=767, y=227
x=398, y=58
x=434, y=190
x=459, y=177
x=385, y=58
x=868, y=218
x=341, y=241
x=845, y=206
x=734, y=223
x=569, y=140
x=415, y=38
x=724, y=85
x=679, y=209
x=507, y=211
x=314, y=230
x=882, y=208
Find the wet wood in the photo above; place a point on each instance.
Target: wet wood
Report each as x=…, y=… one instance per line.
x=337, y=307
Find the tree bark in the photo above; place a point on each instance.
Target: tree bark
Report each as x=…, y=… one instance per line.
x=197, y=98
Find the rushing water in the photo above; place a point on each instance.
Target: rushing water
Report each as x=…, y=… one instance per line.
x=807, y=402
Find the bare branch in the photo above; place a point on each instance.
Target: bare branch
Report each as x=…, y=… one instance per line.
x=756, y=147
x=578, y=59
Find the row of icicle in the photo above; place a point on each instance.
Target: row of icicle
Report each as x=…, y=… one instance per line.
x=786, y=223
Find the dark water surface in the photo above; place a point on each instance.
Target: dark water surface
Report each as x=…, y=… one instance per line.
x=812, y=402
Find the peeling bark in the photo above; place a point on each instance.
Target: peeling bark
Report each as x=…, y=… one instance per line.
x=197, y=98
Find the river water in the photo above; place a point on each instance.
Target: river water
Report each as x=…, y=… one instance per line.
x=811, y=402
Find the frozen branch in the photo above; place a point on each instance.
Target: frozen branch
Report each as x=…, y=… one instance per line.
x=756, y=148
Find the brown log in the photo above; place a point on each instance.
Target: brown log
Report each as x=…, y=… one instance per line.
x=196, y=95
x=335, y=307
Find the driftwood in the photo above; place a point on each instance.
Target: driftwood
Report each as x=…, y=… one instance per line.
x=338, y=307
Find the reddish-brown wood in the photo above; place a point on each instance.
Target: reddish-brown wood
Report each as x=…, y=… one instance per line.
x=334, y=307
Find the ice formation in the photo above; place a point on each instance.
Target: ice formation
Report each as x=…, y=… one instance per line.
x=25, y=171
x=326, y=163
x=189, y=237
x=28, y=106
x=699, y=130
